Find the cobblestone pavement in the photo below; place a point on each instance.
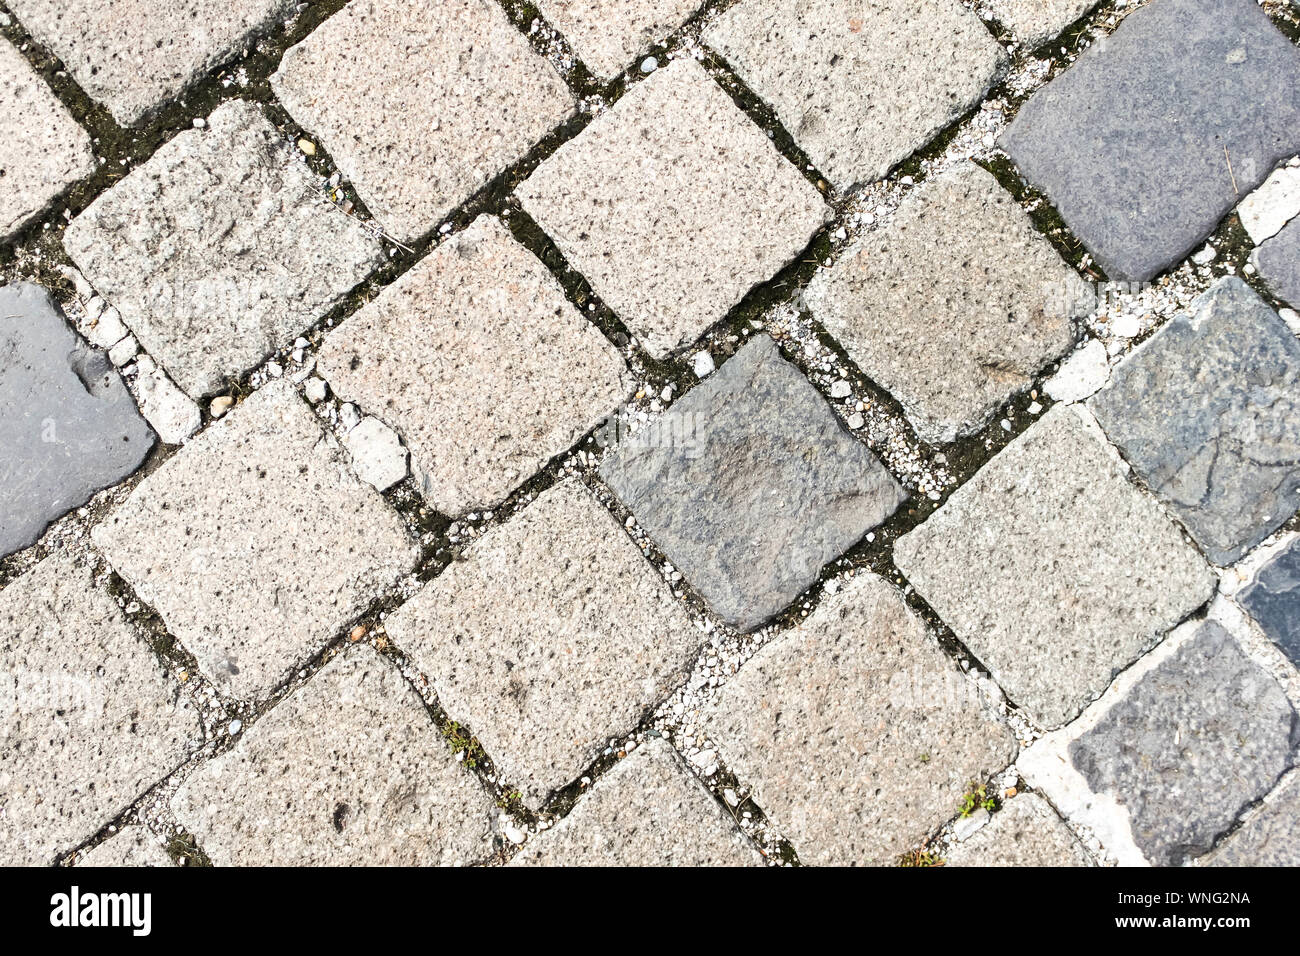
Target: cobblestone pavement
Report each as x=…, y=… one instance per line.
x=729, y=433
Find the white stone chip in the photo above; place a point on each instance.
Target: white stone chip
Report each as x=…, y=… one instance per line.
x=377, y=453
x=1081, y=375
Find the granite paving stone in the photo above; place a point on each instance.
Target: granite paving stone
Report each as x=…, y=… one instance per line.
x=1273, y=599
x=220, y=248
x=131, y=846
x=1278, y=262
x=479, y=361
x=349, y=770
x=857, y=748
x=257, y=543
x=649, y=810
x=750, y=484
x=1034, y=22
x=1269, y=835
x=859, y=86
x=954, y=306
x=1206, y=412
x=551, y=635
x=68, y=425
x=673, y=176
x=91, y=718
x=460, y=96
x=607, y=35
x=1151, y=138
x=1025, y=832
x=1053, y=568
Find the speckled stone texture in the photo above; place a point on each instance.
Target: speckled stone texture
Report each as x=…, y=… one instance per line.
x=672, y=177
x=68, y=425
x=1129, y=143
x=1207, y=411
x=607, y=35
x=90, y=717
x=1270, y=834
x=954, y=305
x=134, y=57
x=1034, y=22
x=346, y=771
x=257, y=544
x=421, y=104
x=649, y=810
x=1278, y=261
x=1053, y=568
x=1025, y=832
x=860, y=86
x=42, y=149
x=1195, y=742
x=750, y=484
x=857, y=749
x=550, y=635
x=220, y=248
x=131, y=846
x=1273, y=599
x=479, y=361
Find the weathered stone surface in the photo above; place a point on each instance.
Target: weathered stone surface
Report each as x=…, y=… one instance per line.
x=954, y=305
x=68, y=426
x=1034, y=22
x=1025, y=832
x=131, y=846
x=90, y=718
x=134, y=57
x=856, y=732
x=749, y=485
x=479, y=361
x=42, y=149
x=551, y=635
x=257, y=544
x=1198, y=739
x=173, y=414
x=1053, y=568
x=608, y=34
x=1129, y=143
x=346, y=771
x=1270, y=207
x=649, y=810
x=675, y=175
x=1208, y=413
x=220, y=248
x=1278, y=261
x=860, y=86
x=421, y=104
x=1273, y=600
x=1269, y=836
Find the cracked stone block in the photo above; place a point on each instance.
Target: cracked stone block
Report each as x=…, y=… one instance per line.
x=220, y=248
x=1025, y=832
x=1144, y=144
x=257, y=544
x=68, y=425
x=460, y=97
x=673, y=176
x=348, y=770
x=648, y=810
x=1053, y=568
x=479, y=361
x=91, y=719
x=1206, y=411
x=860, y=87
x=551, y=635
x=1269, y=836
x=136, y=57
x=857, y=749
x=1034, y=22
x=131, y=846
x=1197, y=740
x=954, y=306
x=750, y=485
x=1278, y=262
x=1273, y=600
x=607, y=35
x=42, y=148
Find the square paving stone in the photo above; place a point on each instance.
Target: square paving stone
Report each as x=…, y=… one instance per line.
x=348, y=770
x=256, y=543
x=1053, y=568
x=68, y=425
x=551, y=635
x=1034, y=22
x=1025, y=832
x=421, y=104
x=859, y=86
x=607, y=35
x=1269, y=836
x=750, y=484
x=131, y=846
x=90, y=717
x=220, y=248
x=649, y=810
x=1278, y=262
x=480, y=362
x=1152, y=137
x=1207, y=411
x=1273, y=600
x=135, y=57
x=42, y=149
x=953, y=306
x=856, y=732
x=673, y=177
